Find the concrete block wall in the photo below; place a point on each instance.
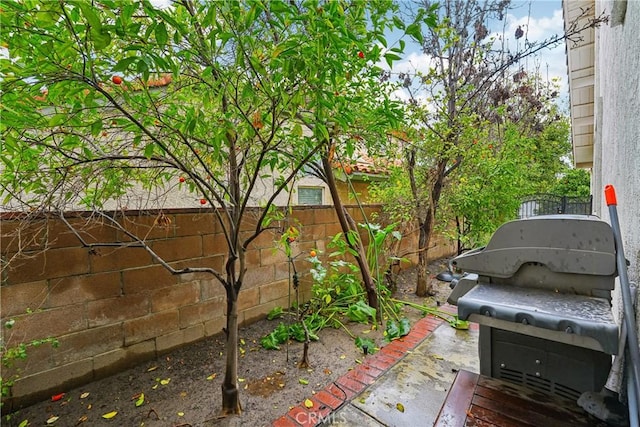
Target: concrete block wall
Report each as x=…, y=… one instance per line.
x=111, y=308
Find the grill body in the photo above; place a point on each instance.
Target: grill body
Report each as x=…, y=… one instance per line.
x=541, y=292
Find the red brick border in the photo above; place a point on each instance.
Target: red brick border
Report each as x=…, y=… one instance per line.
x=345, y=388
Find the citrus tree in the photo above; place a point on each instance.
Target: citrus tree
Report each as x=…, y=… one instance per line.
x=106, y=102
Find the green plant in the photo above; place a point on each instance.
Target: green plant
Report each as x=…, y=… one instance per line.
x=11, y=354
x=338, y=297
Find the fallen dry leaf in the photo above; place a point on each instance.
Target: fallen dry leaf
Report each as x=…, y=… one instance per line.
x=212, y=376
x=109, y=415
x=84, y=395
x=308, y=403
x=400, y=407
x=140, y=400
x=52, y=420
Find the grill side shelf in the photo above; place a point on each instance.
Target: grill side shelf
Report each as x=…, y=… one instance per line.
x=535, y=311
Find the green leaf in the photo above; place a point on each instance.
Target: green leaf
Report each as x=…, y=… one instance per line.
x=101, y=38
x=89, y=14
x=392, y=330
x=370, y=345
x=361, y=312
x=399, y=23
x=123, y=64
x=275, y=313
x=149, y=150
x=390, y=57
x=57, y=119
x=161, y=34
x=415, y=31
x=404, y=326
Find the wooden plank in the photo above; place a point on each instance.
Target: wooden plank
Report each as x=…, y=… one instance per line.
x=510, y=410
x=454, y=410
x=478, y=416
x=532, y=406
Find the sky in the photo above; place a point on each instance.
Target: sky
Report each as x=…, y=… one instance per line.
x=539, y=19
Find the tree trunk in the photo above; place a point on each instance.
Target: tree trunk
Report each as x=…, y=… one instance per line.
x=423, y=287
x=230, y=392
x=361, y=258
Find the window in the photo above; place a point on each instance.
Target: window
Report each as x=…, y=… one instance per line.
x=310, y=195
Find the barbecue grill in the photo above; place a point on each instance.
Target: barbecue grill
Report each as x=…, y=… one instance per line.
x=541, y=292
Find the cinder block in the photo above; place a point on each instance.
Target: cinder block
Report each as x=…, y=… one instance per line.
x=214, y=244
x=47, y=265
x=17, y=299
x=179, y=338
x=252, y=258
x=150, y=326
x=118, y=259
x=175, y=249
x=332, y=229
x=248, y=298
x=272, y=256
x=91, y=230
x=282, y=271
x=47, y=323
x=305, y=216
x=259, y=276
x=18, y=235
x=188, y=224
x=210, y=289
x=87, y=343
x=324, y=216
x=80, y=289
x=117, y=310
x=314, y=232
x=202, y=312
x=147, y=279
x=40, y=386
x=144, y=227
x=174, y=297
x=274, y=291
x=115, y=361
x=214, y=326
x=266, y=239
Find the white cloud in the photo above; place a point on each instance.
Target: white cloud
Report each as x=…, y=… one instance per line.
x=550, y=62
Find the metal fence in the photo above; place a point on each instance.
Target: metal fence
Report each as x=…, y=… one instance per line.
x=549, y=204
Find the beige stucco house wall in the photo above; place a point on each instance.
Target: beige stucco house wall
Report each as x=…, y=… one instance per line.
x=604, y=77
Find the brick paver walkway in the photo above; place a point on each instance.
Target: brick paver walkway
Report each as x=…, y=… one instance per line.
x=351, y=384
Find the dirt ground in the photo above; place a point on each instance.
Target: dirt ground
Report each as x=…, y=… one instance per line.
x=182, y=388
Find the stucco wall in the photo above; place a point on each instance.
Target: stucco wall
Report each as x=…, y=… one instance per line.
x=617, y=143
